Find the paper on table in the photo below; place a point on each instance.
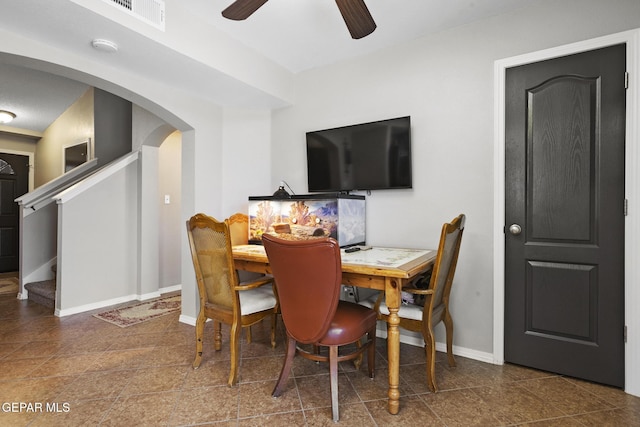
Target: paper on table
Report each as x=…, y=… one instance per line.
x=384, y=257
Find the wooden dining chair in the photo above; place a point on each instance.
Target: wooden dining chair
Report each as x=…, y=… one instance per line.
x=423, y=319
x=222, y=298
x=239, y=228
x=308, y=277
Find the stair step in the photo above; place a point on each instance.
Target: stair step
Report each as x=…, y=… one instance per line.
x=43, y=293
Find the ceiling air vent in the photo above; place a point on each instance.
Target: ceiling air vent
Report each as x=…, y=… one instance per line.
x=150, y=11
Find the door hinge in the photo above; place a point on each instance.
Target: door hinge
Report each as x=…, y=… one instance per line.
x=626, y=207
x=626, y=80
x=625, y=333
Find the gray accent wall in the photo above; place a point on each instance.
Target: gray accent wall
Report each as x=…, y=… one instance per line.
x=112, y=126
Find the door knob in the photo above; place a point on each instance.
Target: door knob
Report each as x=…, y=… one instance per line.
x=515, y=229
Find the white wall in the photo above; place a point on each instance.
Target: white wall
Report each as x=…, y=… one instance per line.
x=171, y=226
x=201, y=191
x=445, y=83
x=247, y=149
x=73, y=126
x=10, y=143
x=149, y=225
x=202, y=178
x=103, y=250
x=38, y=231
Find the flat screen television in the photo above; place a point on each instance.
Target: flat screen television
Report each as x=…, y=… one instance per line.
x=367, y=156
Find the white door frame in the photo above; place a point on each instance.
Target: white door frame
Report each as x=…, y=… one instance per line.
x=632, y=193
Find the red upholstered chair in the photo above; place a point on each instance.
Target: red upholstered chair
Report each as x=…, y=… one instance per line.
x=308, y=275
x=222, y=297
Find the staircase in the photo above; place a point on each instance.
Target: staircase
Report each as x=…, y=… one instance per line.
x=43, y=292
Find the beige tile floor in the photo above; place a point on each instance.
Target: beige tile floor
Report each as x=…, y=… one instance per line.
x=93, y=373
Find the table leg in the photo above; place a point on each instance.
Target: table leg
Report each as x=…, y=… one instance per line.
x=393, y=344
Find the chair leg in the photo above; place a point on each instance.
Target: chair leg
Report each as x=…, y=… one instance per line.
x=357, y=362
x=235, y=353
x=430, y=350
x=199, y=333
x=286, y=367
x=371, y=361
x=448, y=324
x=274, y=323
x=248, y=328
x=217, y=335
x=333, y=372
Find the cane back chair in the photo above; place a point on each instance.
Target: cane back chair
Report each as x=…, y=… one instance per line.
x=222, y=298
x=423, y=319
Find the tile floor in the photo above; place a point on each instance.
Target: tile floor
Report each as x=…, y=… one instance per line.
x=92, y=373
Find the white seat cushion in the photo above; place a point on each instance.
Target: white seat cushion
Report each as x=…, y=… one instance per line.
x=255, y=300
x=407, y=311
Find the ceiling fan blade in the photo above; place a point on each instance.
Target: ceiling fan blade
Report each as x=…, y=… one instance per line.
x=357, y=17
x=242, y=9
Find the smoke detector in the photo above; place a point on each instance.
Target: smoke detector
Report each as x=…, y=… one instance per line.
x=104, y=45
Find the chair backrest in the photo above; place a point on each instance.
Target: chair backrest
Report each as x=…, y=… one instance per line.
x=444, y=267
x=308, y=275
x=239, y=228
x=210, y=244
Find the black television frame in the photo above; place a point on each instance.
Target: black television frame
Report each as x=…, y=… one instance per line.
x=341, y=159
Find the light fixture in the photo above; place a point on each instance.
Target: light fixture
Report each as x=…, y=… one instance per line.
x=6, y=116
x=281, y=193
x=104, y=45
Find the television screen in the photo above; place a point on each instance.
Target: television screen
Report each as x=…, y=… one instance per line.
x=368, y=156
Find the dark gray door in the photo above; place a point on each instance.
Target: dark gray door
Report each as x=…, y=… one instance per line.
x=14, y=182
x=564, y=210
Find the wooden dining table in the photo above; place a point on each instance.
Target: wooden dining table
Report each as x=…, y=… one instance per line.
x=383, y=269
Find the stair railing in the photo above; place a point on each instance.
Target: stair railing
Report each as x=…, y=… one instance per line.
x=42, y=196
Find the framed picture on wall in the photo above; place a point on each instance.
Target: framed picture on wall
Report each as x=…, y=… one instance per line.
x=74, y=155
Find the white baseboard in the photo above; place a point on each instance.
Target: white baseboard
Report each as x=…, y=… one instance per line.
x=189, y=320
x=94, y=305
x=168, y=289
x=416, y=340
x=160, y=292
x=114, y=301
x=150, y=295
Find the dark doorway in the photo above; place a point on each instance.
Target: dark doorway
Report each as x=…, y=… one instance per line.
x=14, y=182
x=75, y=155
x=564, y=211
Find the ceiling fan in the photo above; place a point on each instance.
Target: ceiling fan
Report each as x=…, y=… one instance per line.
x=354, y=12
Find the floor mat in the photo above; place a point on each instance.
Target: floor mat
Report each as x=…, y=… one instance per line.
x=140, y=312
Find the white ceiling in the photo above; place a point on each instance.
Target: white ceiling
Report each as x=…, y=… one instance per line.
x=297, y=34
x=37, y=98
x=304, y=34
